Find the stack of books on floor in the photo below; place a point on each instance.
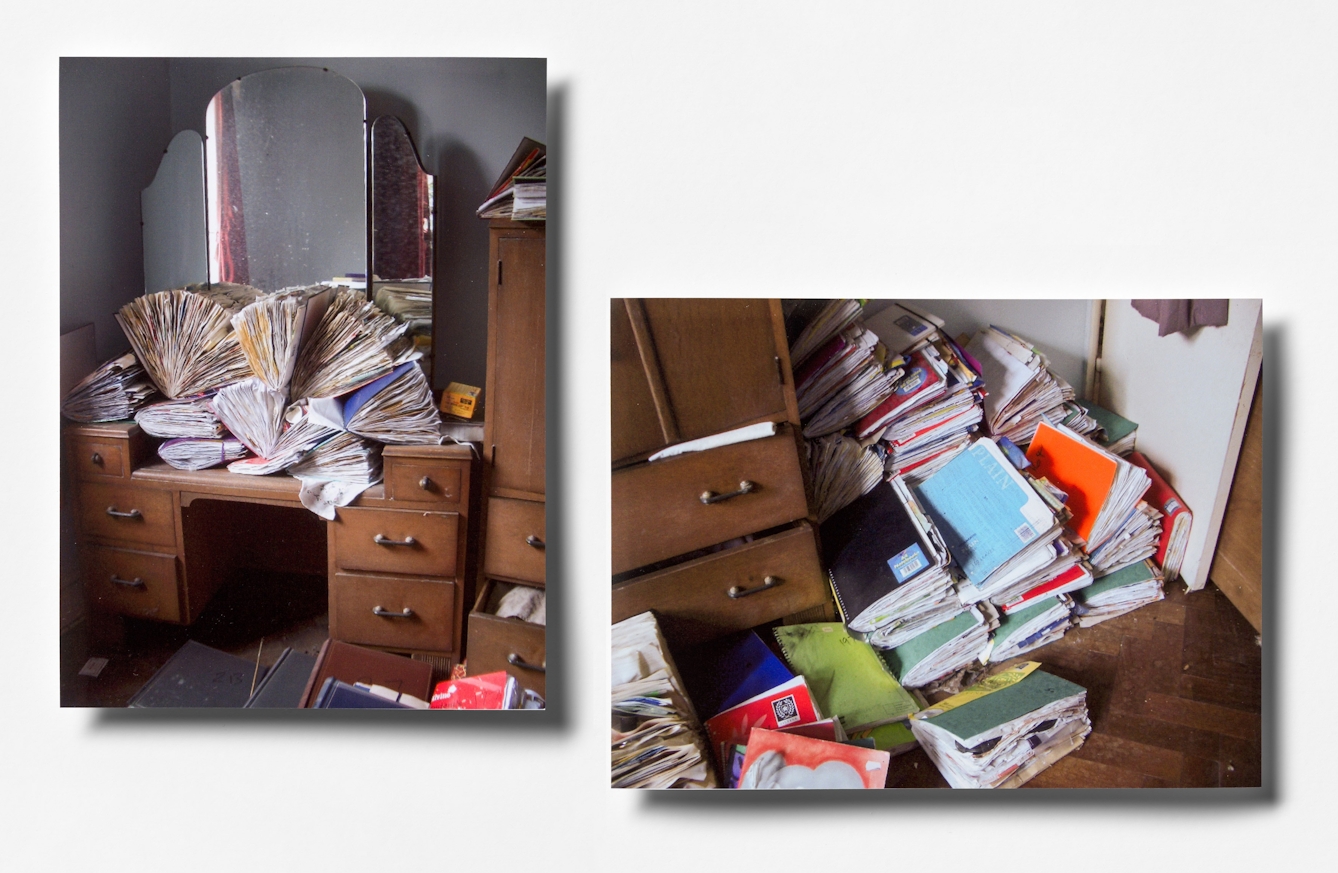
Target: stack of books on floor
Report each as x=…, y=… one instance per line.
x=1023, y=391
x=1004, y=730
x=657, y=738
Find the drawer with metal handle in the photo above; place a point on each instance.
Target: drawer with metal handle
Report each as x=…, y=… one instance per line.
x=130, y=582
x=442, y=483
x=509, y=644
x=671, y=507
x=394, y=612
x=516, y=544
x=733, y=589
x=123, y=512
x=396, y=541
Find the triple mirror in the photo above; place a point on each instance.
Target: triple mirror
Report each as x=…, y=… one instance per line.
x=277, y=195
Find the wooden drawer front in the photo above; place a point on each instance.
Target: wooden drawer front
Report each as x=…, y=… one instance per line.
x=141, y=584
x=699, y=590
x=494, y=642
x=123, y=512
x=93, y=458
x=515, y=540
x=433, y=551
x=439, y=484
x=658, y=511
x=356, y=600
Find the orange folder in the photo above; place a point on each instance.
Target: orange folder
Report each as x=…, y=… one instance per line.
x=1078, y=467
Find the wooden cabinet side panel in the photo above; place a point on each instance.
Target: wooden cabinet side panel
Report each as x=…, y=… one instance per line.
x=634, y=425
x=516, y=366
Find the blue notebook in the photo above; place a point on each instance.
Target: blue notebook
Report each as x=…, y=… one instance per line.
x=725, y=672
x=986, y=512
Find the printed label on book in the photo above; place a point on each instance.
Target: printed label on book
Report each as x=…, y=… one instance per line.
x=785, y=710
x=911, y=381
x=1025, y=533
x=912, y=326
x=907, y=563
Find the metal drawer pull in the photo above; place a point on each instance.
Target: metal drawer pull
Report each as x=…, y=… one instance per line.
x=382, y=541
x=767, y=582
x=532, y=540
x=385, y=613
x=129, y=583
x=517, y=661
x=134, y=513
x=745, y=487
x=96, y=459
x=425, y=483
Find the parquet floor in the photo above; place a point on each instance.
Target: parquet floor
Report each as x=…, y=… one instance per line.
x=1173, y=692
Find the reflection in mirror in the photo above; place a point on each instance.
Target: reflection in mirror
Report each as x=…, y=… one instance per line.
x=285, y=157
x=403, y=227
x=172, y=208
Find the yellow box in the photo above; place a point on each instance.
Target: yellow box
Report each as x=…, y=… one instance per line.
x=460, y=400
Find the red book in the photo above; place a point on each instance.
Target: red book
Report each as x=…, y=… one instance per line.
x=782, y=706
x=487, y=691
x=1072, y=579
x=780, y=760
x=1175, y=518
x=922, y=383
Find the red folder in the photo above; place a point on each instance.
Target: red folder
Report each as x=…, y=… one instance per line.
x=1163, y=499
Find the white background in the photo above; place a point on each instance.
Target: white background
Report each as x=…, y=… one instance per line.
x=964, y=149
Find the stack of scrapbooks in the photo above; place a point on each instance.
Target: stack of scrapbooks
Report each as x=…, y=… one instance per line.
x=1003, y=731
x=184, y=337
x=191, y=417
x=1117, y=593
x=112, y=392
x=888, y=566
x=657, y=739
x=1022, y=391
x=1031, y=626
x=943, y=649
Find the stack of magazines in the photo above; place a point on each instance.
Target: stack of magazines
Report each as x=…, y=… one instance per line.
x=397, y=409
x=272, y=330
x=521, y=191
x=1022, y=390
x=184, y=337
x=191, y=417
x=354, y=343
x=345, y=457
x=112, y=392
x=200, y=454
x=1117, y=593
x=657, y=738
x=848, y=376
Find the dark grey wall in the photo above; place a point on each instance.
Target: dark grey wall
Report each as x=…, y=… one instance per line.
x=466, y=116
x=115, y=124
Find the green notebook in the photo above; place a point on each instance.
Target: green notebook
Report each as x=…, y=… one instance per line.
x=845, y=675
x=1116, y=427
x=1010, y=621
x=1137, y=572
x=1005, y=705
x=905, y=657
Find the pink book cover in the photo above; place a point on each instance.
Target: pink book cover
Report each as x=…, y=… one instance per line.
x=781, y=760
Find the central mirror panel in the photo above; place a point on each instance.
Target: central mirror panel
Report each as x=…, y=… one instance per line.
x=285, y=154
x=403, y=231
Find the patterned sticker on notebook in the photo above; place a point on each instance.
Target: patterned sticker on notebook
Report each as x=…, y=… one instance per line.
x=786, y=710
x=907, y=563
x=1025, y=532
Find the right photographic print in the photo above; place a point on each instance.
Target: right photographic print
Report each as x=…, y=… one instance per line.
x=913, y=543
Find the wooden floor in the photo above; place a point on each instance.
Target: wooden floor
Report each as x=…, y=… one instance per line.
x=1173, y=693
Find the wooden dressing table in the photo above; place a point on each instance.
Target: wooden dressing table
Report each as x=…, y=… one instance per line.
x=396, y=557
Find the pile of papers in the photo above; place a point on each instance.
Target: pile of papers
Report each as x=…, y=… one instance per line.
x=396, y=409
x=657, y=740
x=521, y=191
x=191, y=417
x=253, y=413
x=1030, y=627
x=849, y=376
x=1117, y=593
x=112, y=392
x=841, y=471
x=200, y=454
x=354, y=343
x=1022, y=391
x=184, y=337
x=1004, y=730
x=943, y=649
x=272, y=330
x=302, y=432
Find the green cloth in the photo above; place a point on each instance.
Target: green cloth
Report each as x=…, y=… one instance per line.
x=845, y=675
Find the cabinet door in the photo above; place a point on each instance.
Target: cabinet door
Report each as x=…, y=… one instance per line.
x=515, y=401
x=635, y=423
x=710, y=365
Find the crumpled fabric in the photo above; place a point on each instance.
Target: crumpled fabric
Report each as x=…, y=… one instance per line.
x=1183, y=316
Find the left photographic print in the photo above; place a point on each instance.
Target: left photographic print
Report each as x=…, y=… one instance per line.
x=302, y=426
